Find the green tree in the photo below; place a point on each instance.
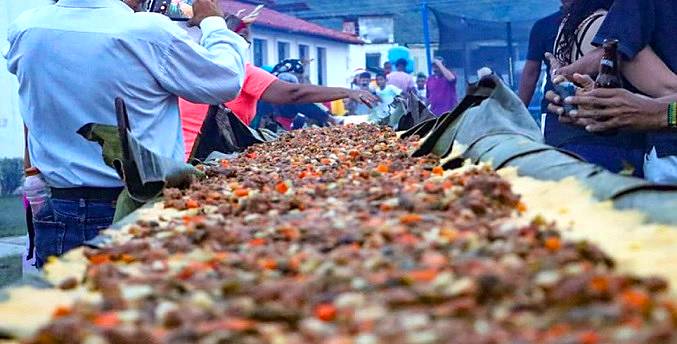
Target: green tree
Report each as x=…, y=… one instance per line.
x=11, y=175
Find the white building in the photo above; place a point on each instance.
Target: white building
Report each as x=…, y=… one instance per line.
x=11, y=125
x=277, y=36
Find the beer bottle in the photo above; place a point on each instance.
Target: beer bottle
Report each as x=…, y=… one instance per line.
x=609, y=69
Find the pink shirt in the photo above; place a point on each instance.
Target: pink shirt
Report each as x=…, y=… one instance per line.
x=401, y=80
x=256, y=82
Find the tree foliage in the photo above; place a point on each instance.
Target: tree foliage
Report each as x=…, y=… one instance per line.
x=11, y=175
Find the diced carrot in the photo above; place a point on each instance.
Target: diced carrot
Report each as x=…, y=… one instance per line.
x=62, y=311
x=238, y=324
x=325, y=312
x=289, y=233
x=553, y=244
x=383, y=168
x=448, y=184
x=559, y=330
x=257, y=242
x=282, y=187
x=589, y=337
x=521, y=207
x=303, y=174
x=99, y=259
x=325, y=161
x=385, y=207
x=251, y=155
x=225, y=163
x=438, y=170
x=127, y=258
x=599, y=284
x=354, y=154
x=426, y=275
x=407, y=239
x=410, y=219
x=449, y=234
x=268, y=264
x=192, y=204
x=107, y=320
x=636, y=299
x=241, y=192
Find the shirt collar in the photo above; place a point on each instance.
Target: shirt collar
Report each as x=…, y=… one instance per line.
x=93, y=4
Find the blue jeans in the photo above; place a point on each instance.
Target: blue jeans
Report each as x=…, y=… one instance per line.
x=62, y=225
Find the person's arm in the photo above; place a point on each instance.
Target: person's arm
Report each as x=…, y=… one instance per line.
x=449, y=75
x=281, y=92
x=209, y=73
x=529, y=80
x=649, y=74
x=27, y=158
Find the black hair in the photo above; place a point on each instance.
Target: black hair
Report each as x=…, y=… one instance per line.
x=401, y=62
x=289, y=66
x=365, y=75
x=381, y=74
x=421, y=75
x=573, y=18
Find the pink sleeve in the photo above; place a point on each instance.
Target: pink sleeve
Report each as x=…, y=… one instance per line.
x=258, y=81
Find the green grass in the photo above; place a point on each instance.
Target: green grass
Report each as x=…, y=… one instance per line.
x=12, y=217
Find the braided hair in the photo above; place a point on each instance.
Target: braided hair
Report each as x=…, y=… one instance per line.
x=579, y=11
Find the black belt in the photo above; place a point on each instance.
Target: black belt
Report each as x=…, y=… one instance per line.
x=88, y=194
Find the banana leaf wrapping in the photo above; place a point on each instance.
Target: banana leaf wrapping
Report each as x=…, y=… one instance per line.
x=492, y=126
x=223, y=132
x=406, y=112
x=144, y=173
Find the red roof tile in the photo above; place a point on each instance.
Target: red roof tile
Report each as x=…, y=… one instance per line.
x=278, y=21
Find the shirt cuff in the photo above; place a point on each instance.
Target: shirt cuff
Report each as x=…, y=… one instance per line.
x=211, y=24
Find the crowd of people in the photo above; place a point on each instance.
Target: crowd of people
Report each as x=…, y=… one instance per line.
x=438, y=91
x=629, y=129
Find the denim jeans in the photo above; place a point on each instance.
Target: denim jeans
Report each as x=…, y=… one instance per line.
x=62, y=225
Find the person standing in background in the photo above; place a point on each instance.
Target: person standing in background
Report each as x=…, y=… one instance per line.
x=387, y=68
x=541, y=41
x=441, y=88
x=421, y=90
x=400, y=78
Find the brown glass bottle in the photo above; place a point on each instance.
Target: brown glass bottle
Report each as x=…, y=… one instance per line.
x=609, y=68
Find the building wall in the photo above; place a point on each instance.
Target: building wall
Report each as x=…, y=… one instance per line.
x=339, y=59
x=11, y=125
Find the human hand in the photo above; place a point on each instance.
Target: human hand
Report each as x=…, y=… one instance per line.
x=556, y=103
x=603, y=110
x=252, y=16
x=203, y=9
x=365, y=97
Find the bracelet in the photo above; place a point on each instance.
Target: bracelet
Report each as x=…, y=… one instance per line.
x=672, y=115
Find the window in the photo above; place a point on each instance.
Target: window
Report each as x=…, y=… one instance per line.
x=373, y=60
x=260, y=52
x=304, y=52
x=282, y=50
x=321, y=66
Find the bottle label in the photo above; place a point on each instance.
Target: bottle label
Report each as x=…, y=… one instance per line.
x=608, y=63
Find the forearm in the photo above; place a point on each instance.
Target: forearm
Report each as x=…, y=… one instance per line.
x=209, y=73
x=528, y=84
x=27, y=158
x=448, y=74
x=649, y=74
x=304, y=93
